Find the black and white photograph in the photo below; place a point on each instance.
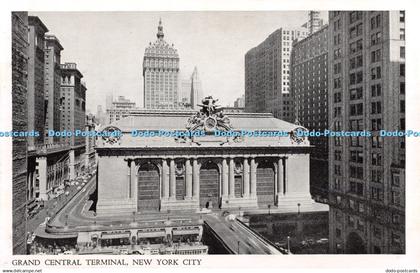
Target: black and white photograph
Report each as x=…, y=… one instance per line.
x=197, y=133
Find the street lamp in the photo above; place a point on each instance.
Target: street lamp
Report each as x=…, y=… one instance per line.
x=67, y=218
x=134, y=216
x=238, y=246
x=298, y=208
x=269, y=207
x=288, y=244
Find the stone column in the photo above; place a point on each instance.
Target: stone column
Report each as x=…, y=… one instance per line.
x=231, y=178
x=172, y=180
x=43, y=175
x=129, y=190
x=188, y=179
x=246, y=177
x=280, y=177
x=165, y=179
x=225, y=178
x=286, y=180
x=253, y=177
x=134, y=181
x=71, y=165
x=196, y=179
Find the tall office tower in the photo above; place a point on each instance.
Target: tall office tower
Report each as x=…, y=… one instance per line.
x=196, y=91
x=52, y=83
x=19, y=123
x=367, y=92
x=36, y=103
x=315, y=22
x=160, y=74
x=73, y=94
x=267, y=74
x=309, y=89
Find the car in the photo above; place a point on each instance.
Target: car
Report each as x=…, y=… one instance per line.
x=322, y=241
x=123, y=251
x=68, y=252
x=84, y=189
x=67, y=193
x=79, y=187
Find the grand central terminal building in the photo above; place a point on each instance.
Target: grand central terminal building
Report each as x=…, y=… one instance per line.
x=161, y=173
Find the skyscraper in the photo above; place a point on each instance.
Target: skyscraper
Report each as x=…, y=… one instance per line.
x=196, y=91
x=20, y=123
x=36, y=103
x=160, y=74
x=52, y=85
x=367, y=92
x=267, y=74
x=309, y=89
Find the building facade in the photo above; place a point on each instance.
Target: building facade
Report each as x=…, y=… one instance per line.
x=73, y=115
x=20, y=46
x=196, y=89
x=267, y=74
x=52, y=86
x=120, y=109
x=309, y=89
x=36, y=103
x=160, y=173
x=367, y=93
x=160, y=74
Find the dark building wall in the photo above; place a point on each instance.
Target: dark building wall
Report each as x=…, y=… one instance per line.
x=309, y=89
x=19, y=123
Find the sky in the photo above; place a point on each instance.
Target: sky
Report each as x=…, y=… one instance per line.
x=108, y=47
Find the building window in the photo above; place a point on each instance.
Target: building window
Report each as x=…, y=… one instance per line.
x=375, y=21
x=356, y=188
x=337, y=169
x=356, y=172
x=376, y=107
x=356, y=62
x=337, y=83
x=337, y=97
x=402, y=87
x=377, y=142
x=356, y=93
x=337, y=68
x=356, y=109
x=375, y=56
x=402, y=34
x=337, y=53
x=356, y=46
x=376, y=194
x=402, y=70
x=402, y=106
x=402, y=52
x=395, y=197
x=337, y=155
x=395, y=182
x=375, y=38
x=356, y=156
x=355, y=16
x=356, y=30
x=402, y=16
x=337, y=24
x=337, y=39
x=376, y=73
x=376, y=124
x=376, y=90
x=376, y=159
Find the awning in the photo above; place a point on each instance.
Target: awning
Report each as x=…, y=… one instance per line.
x=151, y=234
x=185, y=231
x=115, y=235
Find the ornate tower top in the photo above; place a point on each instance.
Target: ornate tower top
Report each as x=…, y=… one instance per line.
x=160, y=34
